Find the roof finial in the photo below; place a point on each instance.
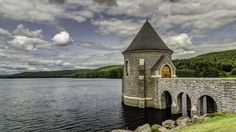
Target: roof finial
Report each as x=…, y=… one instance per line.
x=146, y=19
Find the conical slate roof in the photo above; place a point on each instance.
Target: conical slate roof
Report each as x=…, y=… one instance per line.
x=147, y=39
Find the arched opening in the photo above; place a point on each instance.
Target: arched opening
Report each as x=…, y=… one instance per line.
x=184, y=104
x=207, y=105
x=166, y=100
x=166, y=71
x=127, y=68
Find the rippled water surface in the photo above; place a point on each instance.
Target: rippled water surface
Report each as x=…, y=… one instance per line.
x=68, y=105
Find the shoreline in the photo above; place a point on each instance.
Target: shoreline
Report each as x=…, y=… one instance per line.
x=205, y=123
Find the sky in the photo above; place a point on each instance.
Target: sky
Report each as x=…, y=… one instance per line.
x=44, y=35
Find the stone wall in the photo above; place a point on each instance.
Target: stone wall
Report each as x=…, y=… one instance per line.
x=138, y=88
x=222, y=90
x=143, y=89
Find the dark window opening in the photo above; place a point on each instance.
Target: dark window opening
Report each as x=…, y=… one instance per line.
x=126, y=68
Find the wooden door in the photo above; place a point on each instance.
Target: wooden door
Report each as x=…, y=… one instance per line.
x=166, y=71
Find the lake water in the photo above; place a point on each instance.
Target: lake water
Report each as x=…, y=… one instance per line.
x=69, y=105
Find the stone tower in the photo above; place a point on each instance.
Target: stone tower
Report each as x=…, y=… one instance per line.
x=146, y=59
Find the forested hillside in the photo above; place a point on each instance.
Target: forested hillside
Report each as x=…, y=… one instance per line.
x=114, y=71
x=214, y=64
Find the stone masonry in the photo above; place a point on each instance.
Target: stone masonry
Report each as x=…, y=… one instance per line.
x=222, y=90
x=149, y=80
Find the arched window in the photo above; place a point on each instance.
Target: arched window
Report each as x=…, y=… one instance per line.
x=166, y=71
x=127, y=68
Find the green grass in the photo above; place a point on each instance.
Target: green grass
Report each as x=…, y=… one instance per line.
x=215, y=123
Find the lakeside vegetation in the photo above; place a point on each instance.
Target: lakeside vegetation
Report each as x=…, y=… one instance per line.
x=214, y=64
x=217, y=122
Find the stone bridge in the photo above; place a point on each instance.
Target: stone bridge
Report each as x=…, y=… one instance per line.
x=191, y=96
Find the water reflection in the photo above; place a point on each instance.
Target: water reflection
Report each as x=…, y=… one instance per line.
x=84, y=105
x=133, y=117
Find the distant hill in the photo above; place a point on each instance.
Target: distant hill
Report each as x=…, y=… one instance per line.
x=113, y=71
x=214, y=64
x=46, y=74
x=226, y=57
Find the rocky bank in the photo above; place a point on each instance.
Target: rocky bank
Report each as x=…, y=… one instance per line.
x=167, y=125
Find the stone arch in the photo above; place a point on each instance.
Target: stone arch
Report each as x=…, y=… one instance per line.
x=184, y=107
x=207, y=105
x=213, y=96
x=166, y=71
x=166, y=100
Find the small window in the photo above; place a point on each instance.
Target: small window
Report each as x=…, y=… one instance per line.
x=141, y=62
x=127, y=68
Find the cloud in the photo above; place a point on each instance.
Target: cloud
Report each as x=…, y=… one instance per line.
x=57, y=1
x=22, y=31
x=23, y=38
x=197, y=16
x=98, y=46
x=15, y=61
x=122, y=28
x=106, y=2
x=29, y=10
x=185, y=26
x=180, y=42
x=27, y=43
x=4, y=32
x=5, y=35
x=49, y=63
x=62, y=38
x=95, y=60
x=49, y=11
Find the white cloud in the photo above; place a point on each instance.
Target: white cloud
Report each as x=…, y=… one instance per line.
x=62, y=38
x=22, y=31
x=99, y=46
x=180, y=42
x=29, y=10
x=23, y=38
x=195, y=15
x=43, y=11
x=194, y=18
x=27, y=43
x=5, y=35
x=122, y=28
